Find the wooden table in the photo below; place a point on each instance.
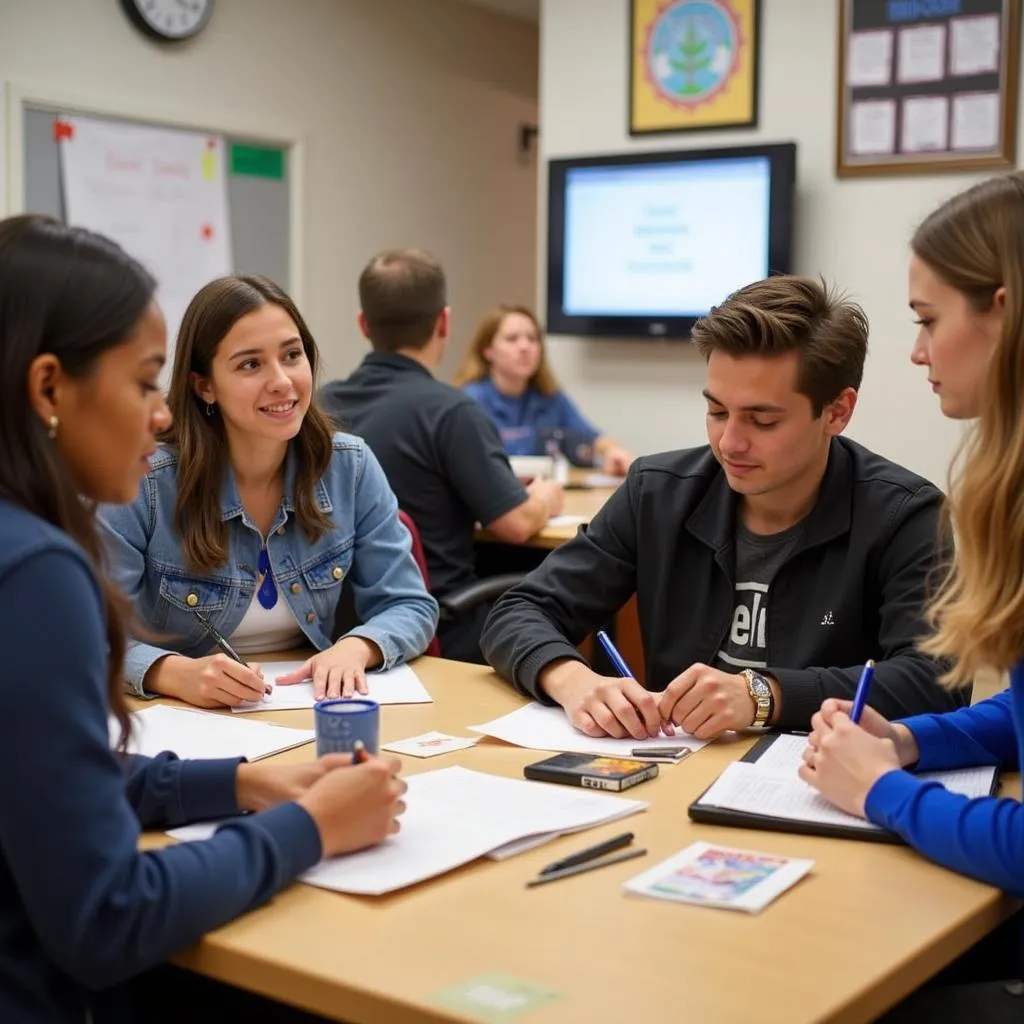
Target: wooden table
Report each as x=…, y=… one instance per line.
x=864, y=929
x=579, y=501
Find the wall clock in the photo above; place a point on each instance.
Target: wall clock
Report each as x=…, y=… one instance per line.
x=169, y=21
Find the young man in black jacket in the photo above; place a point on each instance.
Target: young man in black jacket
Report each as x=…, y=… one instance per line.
x=768, y=566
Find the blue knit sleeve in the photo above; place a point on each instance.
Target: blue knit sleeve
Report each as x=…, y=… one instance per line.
x=102, y=910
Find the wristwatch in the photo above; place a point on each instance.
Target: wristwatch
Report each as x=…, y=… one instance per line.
x=760, y=691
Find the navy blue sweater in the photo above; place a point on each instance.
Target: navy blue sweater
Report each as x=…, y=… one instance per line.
x=983, y=838
x=81, y=909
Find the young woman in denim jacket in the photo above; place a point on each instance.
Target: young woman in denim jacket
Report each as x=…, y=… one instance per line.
x=253, y=516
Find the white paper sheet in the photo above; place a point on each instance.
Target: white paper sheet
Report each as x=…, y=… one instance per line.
x=869, y=61
x=741, y=787
x=399, y=685
x=873, y=127
x=454, y=816
x=770, y=786
x=975, y=121
x=922, y=54
x=518, y=846
x=161, y=193
x=602, y=480
x=974, y=45
x=540, y=728
x=925, y=124
x=566, y=520
x=191, y=733
x=784, y=756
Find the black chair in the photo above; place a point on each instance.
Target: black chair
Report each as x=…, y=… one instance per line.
x=455, y=605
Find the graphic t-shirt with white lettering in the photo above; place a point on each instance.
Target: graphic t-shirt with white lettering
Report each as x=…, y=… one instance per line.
x=758, y=558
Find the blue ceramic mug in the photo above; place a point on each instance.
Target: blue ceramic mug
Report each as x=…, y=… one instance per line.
x=340, y=722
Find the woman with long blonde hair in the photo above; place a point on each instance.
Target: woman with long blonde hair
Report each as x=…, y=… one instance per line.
x=967, y=291
x=506, y=371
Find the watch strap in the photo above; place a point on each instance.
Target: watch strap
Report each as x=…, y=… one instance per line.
x=764, y=704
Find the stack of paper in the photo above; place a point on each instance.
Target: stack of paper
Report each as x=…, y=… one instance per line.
x=190, y=733
x=602, y=480
x=541, y=728
x=454, y=816
x=771, y=787
x=566, y=520
x=399, y=685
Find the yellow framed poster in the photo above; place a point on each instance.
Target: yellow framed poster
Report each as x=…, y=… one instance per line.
x=693, y=65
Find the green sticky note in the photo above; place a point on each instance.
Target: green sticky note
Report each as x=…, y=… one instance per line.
x=257, y=161
x=495, y=997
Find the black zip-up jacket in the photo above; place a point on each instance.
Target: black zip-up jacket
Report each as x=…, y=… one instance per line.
x=854, y=587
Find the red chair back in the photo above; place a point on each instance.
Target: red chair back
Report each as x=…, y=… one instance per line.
x=434, y=647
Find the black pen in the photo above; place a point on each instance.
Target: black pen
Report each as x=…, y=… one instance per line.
x=218, y=639
x=591, y=853
x=224, y=645
x=590, y=865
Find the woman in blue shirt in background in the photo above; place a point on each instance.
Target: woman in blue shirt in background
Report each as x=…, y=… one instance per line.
x=82, y=910
x=254, y=515
x=967, y=291
x=506, y=371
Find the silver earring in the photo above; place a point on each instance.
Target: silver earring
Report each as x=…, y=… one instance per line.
x=51, y=430
x=209, y=408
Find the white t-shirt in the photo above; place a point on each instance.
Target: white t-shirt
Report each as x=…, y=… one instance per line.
x=267, y=629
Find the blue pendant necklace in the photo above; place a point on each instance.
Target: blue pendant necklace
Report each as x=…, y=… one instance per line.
x=267, y=594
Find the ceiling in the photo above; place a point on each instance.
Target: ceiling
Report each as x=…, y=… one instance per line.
x=529, y=10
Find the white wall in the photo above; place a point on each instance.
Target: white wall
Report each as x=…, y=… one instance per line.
x=853, y=231
x=409, y=110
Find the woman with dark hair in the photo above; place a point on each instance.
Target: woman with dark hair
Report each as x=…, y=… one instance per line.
x=81, y=909
x=254, y=515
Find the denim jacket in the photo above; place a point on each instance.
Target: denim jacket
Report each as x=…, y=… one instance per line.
x=368, y=546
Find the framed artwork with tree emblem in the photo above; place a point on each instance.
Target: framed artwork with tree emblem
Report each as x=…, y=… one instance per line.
x=693, y=65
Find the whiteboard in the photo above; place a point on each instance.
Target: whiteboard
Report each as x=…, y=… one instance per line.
x=160, y=193
x=259, y=208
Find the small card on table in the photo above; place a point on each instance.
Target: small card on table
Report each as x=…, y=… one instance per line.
x=720, y=876
x=430, y=744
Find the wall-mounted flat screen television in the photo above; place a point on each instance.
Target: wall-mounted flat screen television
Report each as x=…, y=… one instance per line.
x=641, y=245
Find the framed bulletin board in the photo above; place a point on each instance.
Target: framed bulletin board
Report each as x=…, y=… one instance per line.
x=927, y=85
x=693, y=65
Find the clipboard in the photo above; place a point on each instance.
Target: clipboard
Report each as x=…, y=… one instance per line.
x=707, y=813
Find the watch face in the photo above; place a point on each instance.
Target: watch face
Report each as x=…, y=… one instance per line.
x=760, y=687
x=170, y=19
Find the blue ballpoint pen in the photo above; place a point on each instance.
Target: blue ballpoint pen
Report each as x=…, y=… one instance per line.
x=618, y=662
x=622, y=668
x=860, y=698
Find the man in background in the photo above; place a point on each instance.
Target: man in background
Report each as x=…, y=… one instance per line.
x=442, y=455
